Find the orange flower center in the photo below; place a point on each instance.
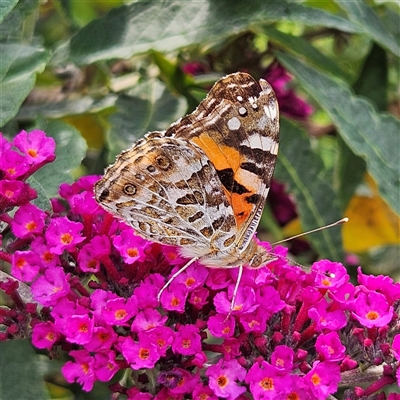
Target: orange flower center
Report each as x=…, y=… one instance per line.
x=132, y=252
x=222, y=381
x=190, y=281
x=32, y=152
x=372, y=315
x=120, y=314
x=226, y=330
x=21, y=263
x=144, y=354
x=326, y=282
x=175, y=302
x=85, y=368
x=47, y=256
x=315, y=379
x=83, y=328
x=267, y=383
x=66, y=238
x=30, y=226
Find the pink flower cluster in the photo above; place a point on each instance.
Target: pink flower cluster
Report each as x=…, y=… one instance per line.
x=19, y=160
x=292, y=335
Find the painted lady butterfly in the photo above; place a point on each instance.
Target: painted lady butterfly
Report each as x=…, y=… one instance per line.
x=202, y=184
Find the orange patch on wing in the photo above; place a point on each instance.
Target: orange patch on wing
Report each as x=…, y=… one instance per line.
x=224, y=157
x=241, y=208
x=221, y=156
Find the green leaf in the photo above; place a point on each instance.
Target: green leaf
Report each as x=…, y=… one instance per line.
x=70, y=150
x=303, y=171
x=148, y=107
x=391, y=20
x=302, y=47
x=42, y=201
x=19, y=23
x=13, y=93
x=351, y=170
x=5, y=7
x=363, y=16
x=20, y=59
x=67, y=107
x=169, y=25
x=373, y=79
x=21, y=376
x=18, y=68
x=23, y=290
x=175, y=79
x=371, y=83
x=373, y=136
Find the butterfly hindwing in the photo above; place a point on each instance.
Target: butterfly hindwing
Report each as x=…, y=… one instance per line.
x=169, y=192
x=237, y=127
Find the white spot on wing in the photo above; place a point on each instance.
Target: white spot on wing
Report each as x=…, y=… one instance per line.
x=234, y=124
x=242, y=111
x=271, y=112
x=262, y=142
x=253, y=102
x=262, y=122
x=240, y=98
x=267, y=90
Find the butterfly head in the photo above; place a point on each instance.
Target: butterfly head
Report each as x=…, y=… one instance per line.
x=260, y=255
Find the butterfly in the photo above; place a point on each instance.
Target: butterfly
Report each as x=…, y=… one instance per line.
x=202, y=184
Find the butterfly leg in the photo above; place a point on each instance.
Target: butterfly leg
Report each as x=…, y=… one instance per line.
x=235, y=290
x=177, y=273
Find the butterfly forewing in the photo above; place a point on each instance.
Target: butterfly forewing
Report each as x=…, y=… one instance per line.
x=237, y=127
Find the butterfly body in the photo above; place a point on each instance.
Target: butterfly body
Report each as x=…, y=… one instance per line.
x=201, y=185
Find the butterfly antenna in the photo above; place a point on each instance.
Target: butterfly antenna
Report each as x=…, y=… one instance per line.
x=341, y=221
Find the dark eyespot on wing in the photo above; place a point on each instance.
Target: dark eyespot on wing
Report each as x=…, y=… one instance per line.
x=129, y=189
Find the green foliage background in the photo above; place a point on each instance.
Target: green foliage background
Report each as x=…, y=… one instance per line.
x=97, y=75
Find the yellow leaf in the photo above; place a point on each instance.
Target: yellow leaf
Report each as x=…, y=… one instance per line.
x=90, y=127
x=292, y=228
x=371, y=222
